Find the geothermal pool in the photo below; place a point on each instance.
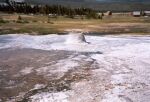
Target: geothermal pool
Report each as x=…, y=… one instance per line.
x=57, y=68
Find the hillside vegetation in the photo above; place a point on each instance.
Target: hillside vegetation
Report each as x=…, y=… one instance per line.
x=102, y=6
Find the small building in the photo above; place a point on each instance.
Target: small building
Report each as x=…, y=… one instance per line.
x=146, y=13
x=136, y=13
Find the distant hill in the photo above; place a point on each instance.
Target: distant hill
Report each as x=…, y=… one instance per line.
x=123, y=1
x=3, y=1
x=103, y=5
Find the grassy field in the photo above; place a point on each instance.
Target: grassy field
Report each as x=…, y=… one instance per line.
x=39, y=24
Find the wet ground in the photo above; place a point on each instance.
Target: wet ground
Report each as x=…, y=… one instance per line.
x=45, y=69
x=22, y=69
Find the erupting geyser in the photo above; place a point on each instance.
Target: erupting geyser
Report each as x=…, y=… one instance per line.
x=75, y=38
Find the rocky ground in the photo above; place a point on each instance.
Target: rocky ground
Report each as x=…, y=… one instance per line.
x=47, y=69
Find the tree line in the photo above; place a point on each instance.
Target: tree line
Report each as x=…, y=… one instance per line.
x=58, y=10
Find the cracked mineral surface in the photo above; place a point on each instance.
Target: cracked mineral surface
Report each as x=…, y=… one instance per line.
x=47, y=69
